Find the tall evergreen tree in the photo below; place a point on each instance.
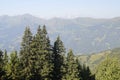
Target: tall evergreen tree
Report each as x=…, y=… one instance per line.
x=5, y=65
x=44, y=30
x=41, y=52
x=13, y=68
x=25, y=53
x=47, y=51
x=71, y=68
x=86, y=73
x=5, y=57
x=79, y=67
x=2, y=72
x=58, y=59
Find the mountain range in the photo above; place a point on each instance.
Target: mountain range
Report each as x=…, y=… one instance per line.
x=82, y=34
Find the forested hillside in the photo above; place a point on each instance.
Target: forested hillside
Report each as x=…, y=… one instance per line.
x=93, y=60
x=39, y=60
x=59, y=39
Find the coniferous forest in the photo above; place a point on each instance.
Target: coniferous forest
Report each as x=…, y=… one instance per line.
x=39, y=60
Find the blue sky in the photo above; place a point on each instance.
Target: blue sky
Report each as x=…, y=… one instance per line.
x=61, y=8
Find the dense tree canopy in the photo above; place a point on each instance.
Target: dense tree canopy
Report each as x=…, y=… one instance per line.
x=58, y=59
x=109, y=70
x=72, y=72
x=39, y=60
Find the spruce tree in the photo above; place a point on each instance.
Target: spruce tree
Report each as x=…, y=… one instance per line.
x=36, y=54
x=71, y=68
x=2, y=72
x=86, y=73
x=25, y=53
x=5, y=65
x=13, y=68
x=5, y=57
x=47, y=51
x=41, y=55
x=58, y=59
x=79, y=67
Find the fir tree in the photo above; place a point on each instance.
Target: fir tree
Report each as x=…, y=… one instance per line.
x=86, y=73
x=47, y=51
x=5, y=57
x=5, y=65
x=25, y=53
x=58, y=59
x=2, y=72
x=41, y=52
x=71, y=68
x=79, y=67
x=13, y=68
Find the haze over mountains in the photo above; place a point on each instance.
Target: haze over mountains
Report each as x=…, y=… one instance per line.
x=83, y=35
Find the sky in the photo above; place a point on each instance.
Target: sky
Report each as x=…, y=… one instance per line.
x=61, y=8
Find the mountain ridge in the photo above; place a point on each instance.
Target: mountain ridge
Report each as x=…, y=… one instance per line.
x=83, y=35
